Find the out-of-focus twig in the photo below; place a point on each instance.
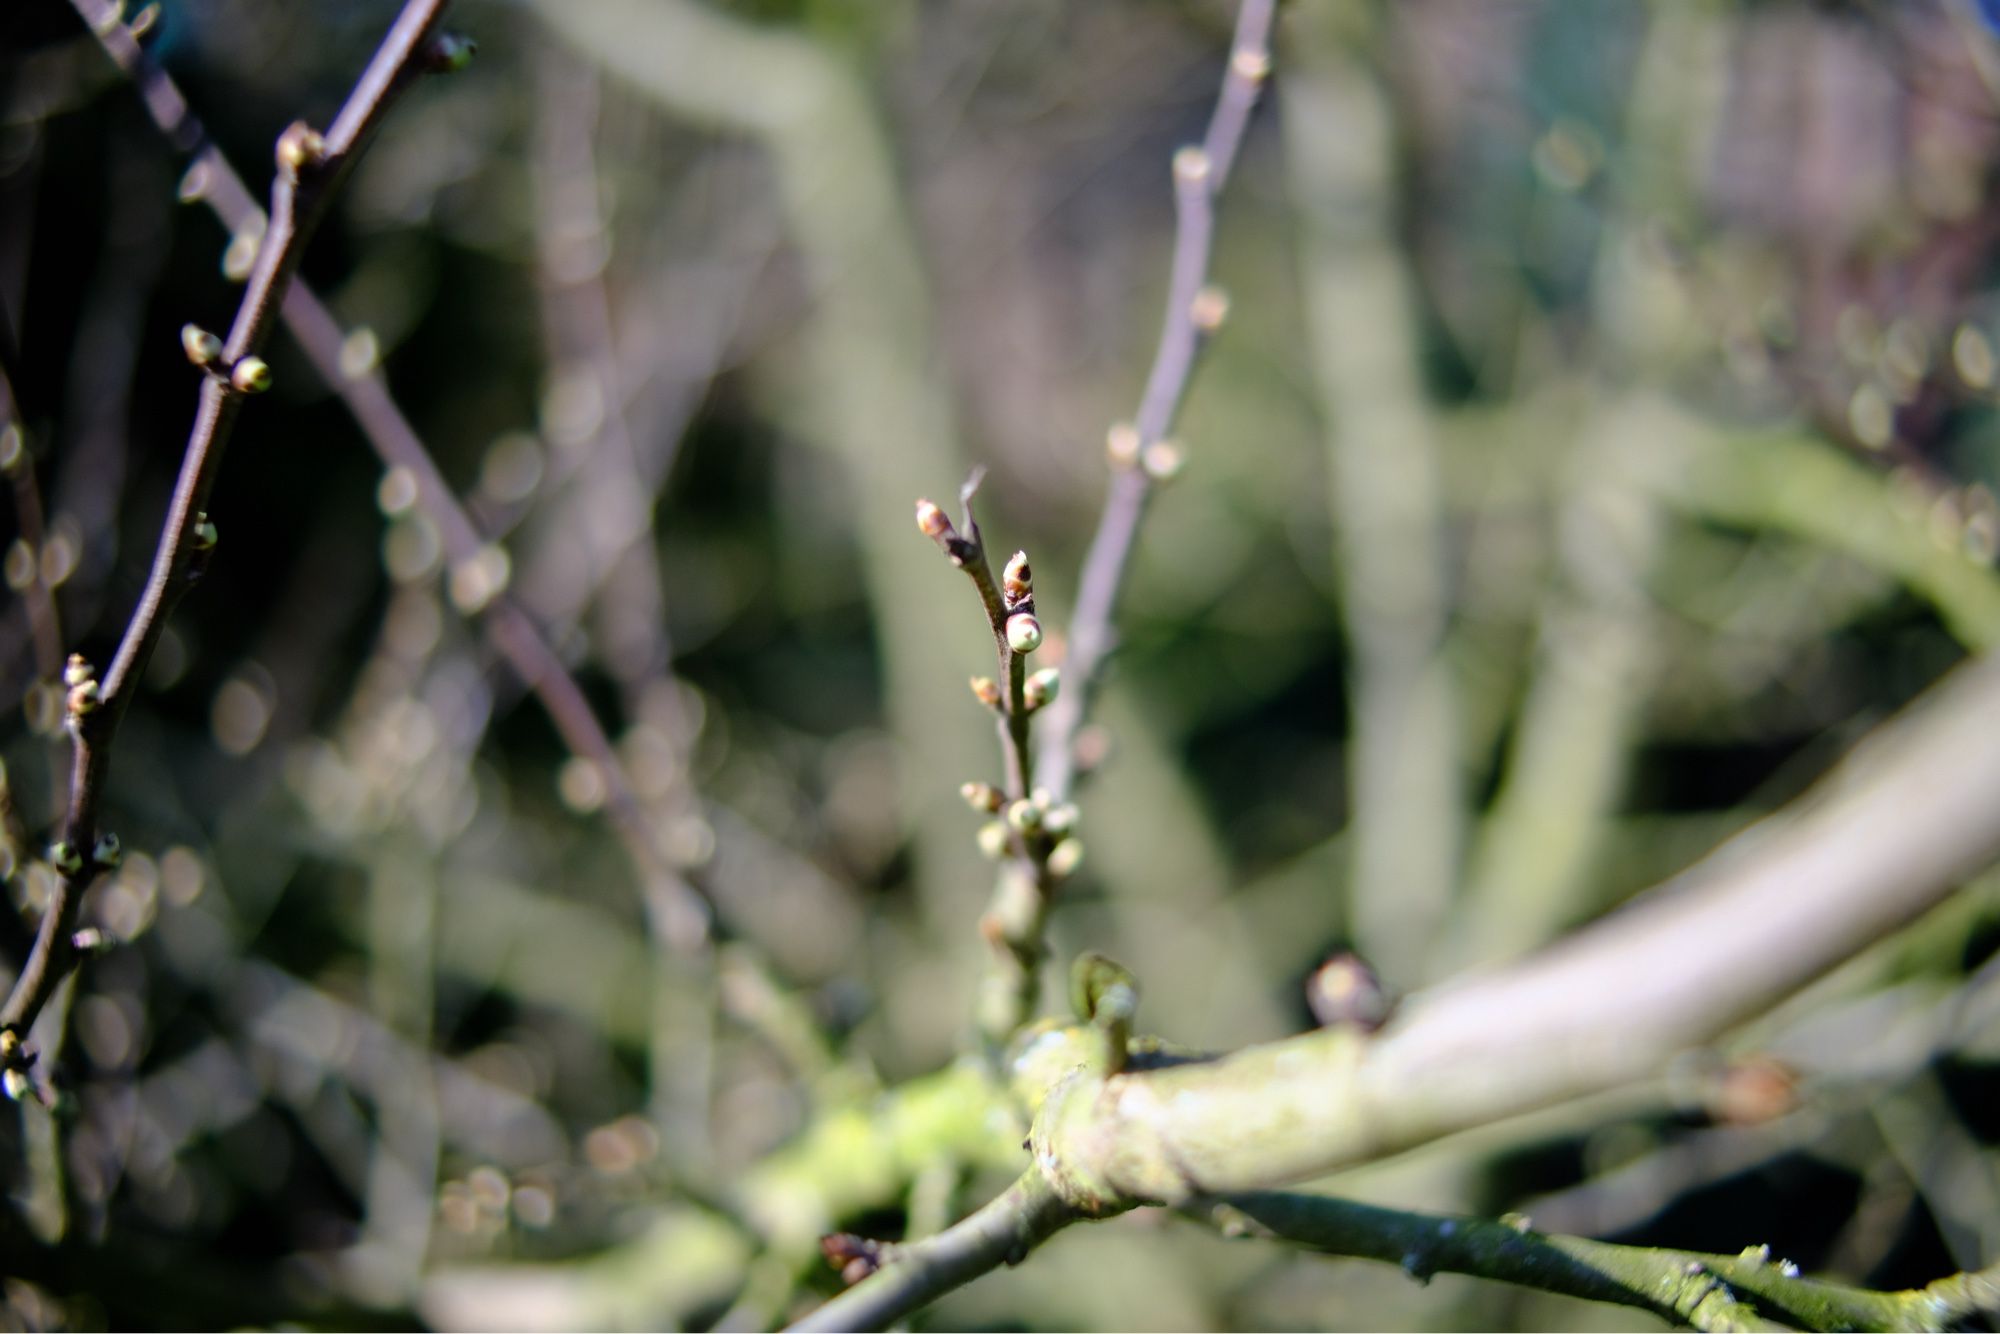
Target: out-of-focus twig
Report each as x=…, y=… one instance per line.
x=1199, y=176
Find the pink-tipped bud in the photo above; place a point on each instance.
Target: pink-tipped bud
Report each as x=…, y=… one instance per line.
x=1018, y=581
x=987, y=691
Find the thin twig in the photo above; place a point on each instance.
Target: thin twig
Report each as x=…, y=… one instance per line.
x=311, y=168
x=1199, y=175
x=514, y=634
x=1690, y=1287
x=1001, y=1232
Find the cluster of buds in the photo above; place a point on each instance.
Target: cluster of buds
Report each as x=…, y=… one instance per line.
x=1161, y=460
x=1017, y=592
x=84, y=692
x=247, y=375
x=1038, y=820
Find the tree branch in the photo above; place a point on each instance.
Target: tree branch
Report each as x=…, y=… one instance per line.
x=1895, y=829
x=1199, y=175
x=669, y=897
x=311, y=169
x=1688, y=1287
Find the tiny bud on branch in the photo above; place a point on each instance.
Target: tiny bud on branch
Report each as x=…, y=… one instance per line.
x=201, y=346
x=1024, y=632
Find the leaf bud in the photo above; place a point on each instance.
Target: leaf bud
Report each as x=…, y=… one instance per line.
x=1024, y=816
x=204, y=536
x=64, y=857
x=201, y=346
x=1163, y=460
x=250, y=376
x=77, y=670
x=987, y=691
x=1024, y=632
x=1060, y=818
x=993, y=840
x=1209, y=308
x=15, y=1082
x=982, y=797
x=1018, y=581
x=1121, y=444
x=1191, y=165
x=108, y=851
x=932, y=522
x=1065, y=857
x=90, y=940
x=1041, y=687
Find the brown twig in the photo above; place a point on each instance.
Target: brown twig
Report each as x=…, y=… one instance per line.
x=311, y=169
x=514, y=634
x=1199, y=175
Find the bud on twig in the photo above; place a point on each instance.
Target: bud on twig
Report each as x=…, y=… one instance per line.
x=1025, y=817
x=1018, y=581
x=84, y=692
x=987, y=690
x=108, y=852
x=1024, y=632
x=250, y=376
x=1163, y=460
x=1041, y=688
x=993, y=840
x=1121, y=445
x=1345, y=992
x=1065, y=857
x=982, y=797
x=203, y=539
x=932, y=521
x=1191, y=165
x=201, y=346
x=1209, y=308
x=299, y=147
x=64, y=858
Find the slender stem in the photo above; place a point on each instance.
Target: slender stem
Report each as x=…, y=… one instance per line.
x=1198, y=181
x=683, y=913
x=299, y=199
x=1689, y=1287
x=1001, y=1232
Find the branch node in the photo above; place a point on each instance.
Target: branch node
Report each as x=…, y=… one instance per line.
x=300, y=148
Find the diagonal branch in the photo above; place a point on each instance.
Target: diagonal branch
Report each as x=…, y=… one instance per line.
x=311, y=169
x=680, y=910
x=1199, y=175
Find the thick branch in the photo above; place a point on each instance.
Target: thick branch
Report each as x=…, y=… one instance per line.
x=1896, y=828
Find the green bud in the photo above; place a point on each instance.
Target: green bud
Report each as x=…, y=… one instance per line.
x=1024, y=632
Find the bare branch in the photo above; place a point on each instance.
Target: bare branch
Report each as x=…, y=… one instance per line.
x=1199, y=175
x=311, y=167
